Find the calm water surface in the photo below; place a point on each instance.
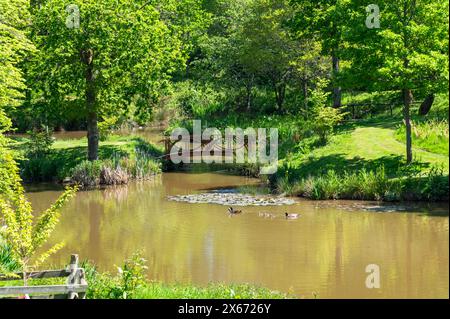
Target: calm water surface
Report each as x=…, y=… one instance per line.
x=325, y=251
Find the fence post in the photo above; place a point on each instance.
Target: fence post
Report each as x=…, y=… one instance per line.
x=72, y=278
x=82, y=281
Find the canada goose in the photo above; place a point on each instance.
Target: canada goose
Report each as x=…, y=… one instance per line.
x=291, y=215
x=233, y=211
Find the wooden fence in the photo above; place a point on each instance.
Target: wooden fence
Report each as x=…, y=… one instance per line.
x=75, y=287
x=359, y=110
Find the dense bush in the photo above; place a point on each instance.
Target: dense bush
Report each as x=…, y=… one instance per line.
x=115, y=171
x=123, y=285
x=325, y=120
x=36, y=164
x=432, y=187
x=87, y=173
x=41, y=169
x=38, y=144
x=195, y=101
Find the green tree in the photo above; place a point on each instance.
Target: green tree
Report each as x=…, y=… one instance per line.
x=118, y=52
x=14, y=45
x=9, y=173
x=267, y=49
x=250, y=48
x=324, y=20
x=408, y=53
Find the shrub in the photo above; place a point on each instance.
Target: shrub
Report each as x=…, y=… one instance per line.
x=284, y=186
x=195, y=101
x=113, y=176
x=325, y=119
x=130, y=277
x=435, y=185
x=37, y=165
x=94, y=173
x=432, y=187
x=39, y=169
x=39, y=143
x=87, y=173
x=143, y=166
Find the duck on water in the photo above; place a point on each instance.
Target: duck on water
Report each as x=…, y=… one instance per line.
x=291, y=215
x=233, y=211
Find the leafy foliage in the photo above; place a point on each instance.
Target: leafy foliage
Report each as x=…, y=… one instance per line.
x=24, y=233
x=122, y=52
x=326, y=119
x=14, y=46
x=130, y=277
x=38, y=144
x=7, y=262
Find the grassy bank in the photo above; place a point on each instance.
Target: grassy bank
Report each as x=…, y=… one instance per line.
x=361, y=158
x=120, y=158
x=365, y=160
x=130, y=283
x=212, y=291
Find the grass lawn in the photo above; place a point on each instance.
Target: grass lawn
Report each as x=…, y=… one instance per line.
x=366, y=160
x=366, y=144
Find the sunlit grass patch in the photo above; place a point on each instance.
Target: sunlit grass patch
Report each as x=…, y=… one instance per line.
x=157, y=290
x=430, y=135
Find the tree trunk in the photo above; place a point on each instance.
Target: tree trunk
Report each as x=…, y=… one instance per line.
x=248, y=88
x=337, y=94
x=92, y=118
x=305, y=96
x=280, y=91
x=93, y=136
x=426, y=105
x=407, y=100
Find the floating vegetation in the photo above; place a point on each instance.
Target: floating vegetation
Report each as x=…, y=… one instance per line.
x=232, y=199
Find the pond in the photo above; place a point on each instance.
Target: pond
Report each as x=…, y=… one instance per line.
x=324, y=252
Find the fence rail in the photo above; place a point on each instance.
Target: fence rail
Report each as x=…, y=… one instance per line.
x=75, y=287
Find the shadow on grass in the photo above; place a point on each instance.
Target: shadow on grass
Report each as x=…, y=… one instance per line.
x=394, y=165
x=380, y=122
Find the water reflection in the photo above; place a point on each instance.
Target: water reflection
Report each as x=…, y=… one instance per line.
x=325, y=251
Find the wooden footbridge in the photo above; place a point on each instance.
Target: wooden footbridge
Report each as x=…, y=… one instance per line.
x=197, y=151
